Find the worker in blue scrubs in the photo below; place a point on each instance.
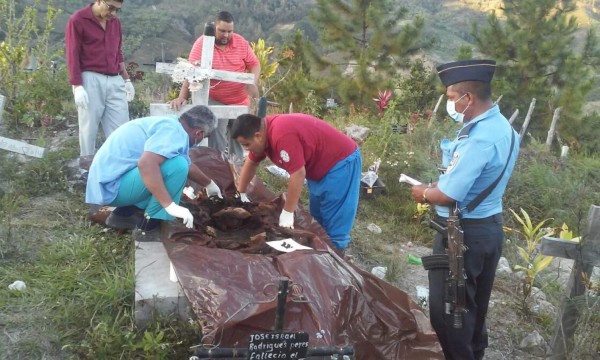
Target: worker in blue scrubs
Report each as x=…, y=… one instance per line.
x=479, y=160
x=144, y=165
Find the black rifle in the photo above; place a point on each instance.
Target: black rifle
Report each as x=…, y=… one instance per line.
x=453, y=261
x=455, y=283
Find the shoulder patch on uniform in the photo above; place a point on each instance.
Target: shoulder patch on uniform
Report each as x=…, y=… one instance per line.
x=284, y=156
x=464, y=132
x=453, y=162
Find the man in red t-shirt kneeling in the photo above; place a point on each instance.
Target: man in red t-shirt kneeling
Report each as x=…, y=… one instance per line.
x=307, y=148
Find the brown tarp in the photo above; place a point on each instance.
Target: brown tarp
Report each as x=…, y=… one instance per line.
x=233, y=293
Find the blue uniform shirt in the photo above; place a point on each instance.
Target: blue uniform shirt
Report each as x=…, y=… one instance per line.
x=162, y=135
x=476, y=161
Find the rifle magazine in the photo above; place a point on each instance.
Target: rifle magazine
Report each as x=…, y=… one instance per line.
x=436, y=261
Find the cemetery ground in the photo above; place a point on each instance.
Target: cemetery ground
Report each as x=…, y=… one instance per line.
x=80, y=277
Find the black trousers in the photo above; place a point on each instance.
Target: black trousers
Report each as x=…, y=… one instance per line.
x=483, y=241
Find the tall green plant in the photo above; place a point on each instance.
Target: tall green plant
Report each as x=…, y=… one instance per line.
x=263, y=52
x=23, y=38
x=532, y=261
x=417, y=90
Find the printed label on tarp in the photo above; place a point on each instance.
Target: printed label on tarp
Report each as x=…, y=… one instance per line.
x=283, y=345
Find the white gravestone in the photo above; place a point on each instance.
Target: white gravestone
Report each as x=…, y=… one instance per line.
x=21, y=147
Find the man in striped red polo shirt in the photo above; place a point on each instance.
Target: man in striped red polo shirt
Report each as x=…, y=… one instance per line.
x=232, y=53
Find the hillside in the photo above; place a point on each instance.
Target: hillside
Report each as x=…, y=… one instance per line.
x=159, y=30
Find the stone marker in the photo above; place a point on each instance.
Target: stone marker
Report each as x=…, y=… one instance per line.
x=21, y=147
x=155, y=293
x=164, y=68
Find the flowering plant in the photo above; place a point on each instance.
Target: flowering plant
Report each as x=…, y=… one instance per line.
x=134, y=74
x=382, y=100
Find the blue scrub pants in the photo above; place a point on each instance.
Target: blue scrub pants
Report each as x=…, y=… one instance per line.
x=132, y=190
x=334, y=199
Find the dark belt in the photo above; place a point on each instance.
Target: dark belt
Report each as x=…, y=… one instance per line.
x=493, y=219
x=106, y=74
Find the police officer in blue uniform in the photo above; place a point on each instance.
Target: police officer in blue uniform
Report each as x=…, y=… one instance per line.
x=479, y=160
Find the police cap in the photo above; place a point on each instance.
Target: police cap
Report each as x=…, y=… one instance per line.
x=466, y=70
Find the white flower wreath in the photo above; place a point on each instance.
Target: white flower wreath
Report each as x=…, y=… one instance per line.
x=184, y=70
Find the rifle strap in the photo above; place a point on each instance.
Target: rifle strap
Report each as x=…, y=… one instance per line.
x=475, y=202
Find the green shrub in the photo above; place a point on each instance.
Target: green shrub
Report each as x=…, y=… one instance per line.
x=33, y=107
x=138, y=108
x=549, y=188
x=38, y=177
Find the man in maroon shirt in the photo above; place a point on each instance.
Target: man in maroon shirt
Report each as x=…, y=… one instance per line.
x=95, y=61
x=307, y=148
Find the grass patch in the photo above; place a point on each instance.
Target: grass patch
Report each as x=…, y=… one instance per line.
x=79, y=297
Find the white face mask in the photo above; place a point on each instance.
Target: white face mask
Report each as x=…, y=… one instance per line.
x=451, y=109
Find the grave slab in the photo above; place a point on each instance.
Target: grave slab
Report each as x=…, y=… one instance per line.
x=155, y=293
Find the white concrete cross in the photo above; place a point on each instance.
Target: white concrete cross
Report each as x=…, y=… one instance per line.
x=200, y=95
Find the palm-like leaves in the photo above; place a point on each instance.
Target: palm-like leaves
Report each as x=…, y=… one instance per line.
x=262, y=52
x=534, y=262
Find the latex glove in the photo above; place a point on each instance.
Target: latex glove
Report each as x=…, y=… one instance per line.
x=286, y=219
x=129, y=89
x=81, y=97
x=212, y=189
x=244, y=198
x=181, y=212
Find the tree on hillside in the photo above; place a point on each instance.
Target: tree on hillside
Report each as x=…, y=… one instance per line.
x=538, y=57
x=293, y=80
x=367, y=37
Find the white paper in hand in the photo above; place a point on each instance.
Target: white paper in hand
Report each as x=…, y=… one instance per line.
x=287, y=245
x=189, y=192
x=407, y=179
